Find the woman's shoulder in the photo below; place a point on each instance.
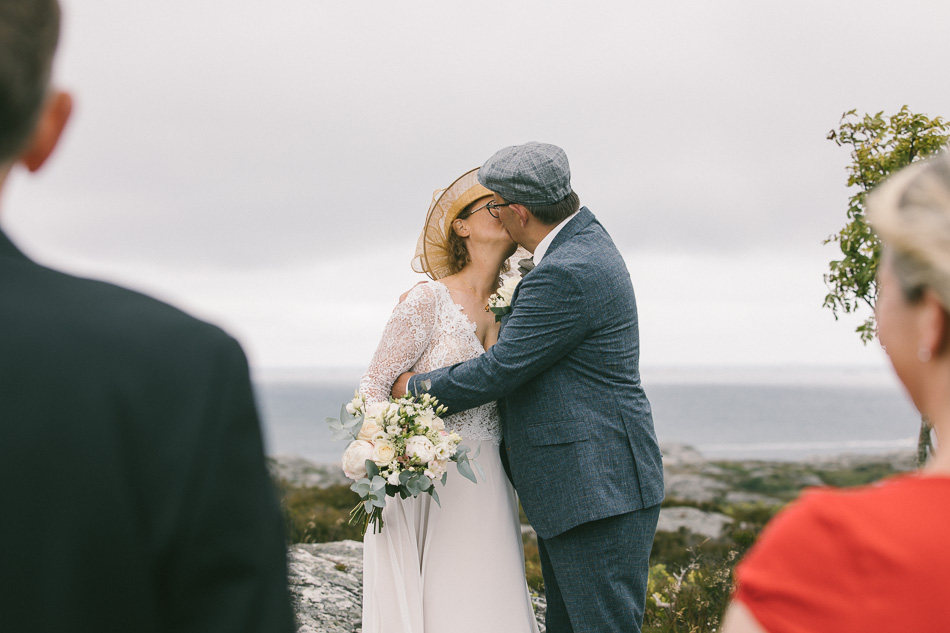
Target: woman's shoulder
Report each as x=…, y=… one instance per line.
x=833, y=549
x=426, y=292
x=835, y=513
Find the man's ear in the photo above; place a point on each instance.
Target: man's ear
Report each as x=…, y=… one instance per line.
x=49, y=128
x=522, y=212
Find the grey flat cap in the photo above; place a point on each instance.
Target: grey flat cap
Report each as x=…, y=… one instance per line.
x=533, y=173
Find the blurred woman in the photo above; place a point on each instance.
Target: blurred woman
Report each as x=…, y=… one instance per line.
x=876, y=558
x=460, y=566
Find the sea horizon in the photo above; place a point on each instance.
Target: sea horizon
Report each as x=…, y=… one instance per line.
x=783, y=413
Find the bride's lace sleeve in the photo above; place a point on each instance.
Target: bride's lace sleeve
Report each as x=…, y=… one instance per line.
x=406, y=337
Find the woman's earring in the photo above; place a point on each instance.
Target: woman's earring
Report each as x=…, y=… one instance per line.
x=924, y=355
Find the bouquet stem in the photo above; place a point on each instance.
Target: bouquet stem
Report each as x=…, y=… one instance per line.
x=358, y=514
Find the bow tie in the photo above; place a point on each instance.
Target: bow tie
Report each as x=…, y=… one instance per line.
x=525, y=266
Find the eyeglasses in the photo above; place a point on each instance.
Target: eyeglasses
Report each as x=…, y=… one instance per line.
x=491, y=206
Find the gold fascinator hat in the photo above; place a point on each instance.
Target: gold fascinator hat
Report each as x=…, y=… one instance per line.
x=432, y=249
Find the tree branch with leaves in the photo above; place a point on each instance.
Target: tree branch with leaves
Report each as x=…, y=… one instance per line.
x=880, y=145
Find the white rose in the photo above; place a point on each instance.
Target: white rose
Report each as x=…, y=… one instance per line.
x=350, y=408
x=384, y=453
x=508, y=288
x=369, y=429
x=393, y=479
x=421, y=447
x=437, y=424
x=376, y=410
x=354, y=459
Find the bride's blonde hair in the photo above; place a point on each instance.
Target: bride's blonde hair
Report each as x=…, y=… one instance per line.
x=911, y=214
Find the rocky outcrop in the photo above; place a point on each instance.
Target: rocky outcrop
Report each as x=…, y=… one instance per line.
x=303, y=472
x=709, y=524
x=326, y=584
x=326, y=579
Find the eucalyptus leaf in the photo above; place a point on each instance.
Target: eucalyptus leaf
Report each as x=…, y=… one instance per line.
x=372, y=470
x=435, y=495
x=465, y=470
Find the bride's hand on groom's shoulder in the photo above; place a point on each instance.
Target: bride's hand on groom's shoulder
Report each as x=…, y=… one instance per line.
x=403, y=296
x=401, y=386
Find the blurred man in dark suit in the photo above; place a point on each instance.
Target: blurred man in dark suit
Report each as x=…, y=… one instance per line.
x=133, y=489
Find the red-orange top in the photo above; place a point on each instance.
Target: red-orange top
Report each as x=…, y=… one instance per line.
x=864, y=560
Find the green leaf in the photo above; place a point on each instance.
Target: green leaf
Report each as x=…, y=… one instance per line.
x=372, y=470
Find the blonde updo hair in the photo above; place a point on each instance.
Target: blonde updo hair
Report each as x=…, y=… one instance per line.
x=911, y=214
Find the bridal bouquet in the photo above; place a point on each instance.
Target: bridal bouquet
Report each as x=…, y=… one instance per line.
x=400, y=448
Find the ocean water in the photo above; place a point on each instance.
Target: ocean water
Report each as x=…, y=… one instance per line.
x=728, y=414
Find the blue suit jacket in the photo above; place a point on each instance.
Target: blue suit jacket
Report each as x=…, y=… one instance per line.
x=577, y=424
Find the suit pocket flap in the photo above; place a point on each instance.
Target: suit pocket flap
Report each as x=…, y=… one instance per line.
x=558, y=432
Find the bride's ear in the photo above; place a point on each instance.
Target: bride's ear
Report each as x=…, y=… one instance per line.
x=461, y=227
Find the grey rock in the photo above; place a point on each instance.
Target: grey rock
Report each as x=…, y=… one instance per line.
x=677, y=455
x=326, y=581
x=326, y=586
x=710, y=524
x=692, y=487
x=302, y=472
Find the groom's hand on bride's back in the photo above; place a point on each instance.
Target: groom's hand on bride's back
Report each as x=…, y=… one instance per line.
x=401, y=386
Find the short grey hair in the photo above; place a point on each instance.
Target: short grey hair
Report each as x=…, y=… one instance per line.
x=29, y=32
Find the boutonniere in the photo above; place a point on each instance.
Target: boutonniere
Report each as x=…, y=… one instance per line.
x=499, y=303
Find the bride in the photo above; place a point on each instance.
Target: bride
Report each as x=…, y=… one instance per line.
x=457, y=567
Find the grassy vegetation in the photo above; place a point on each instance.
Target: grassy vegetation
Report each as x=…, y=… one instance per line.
x=690, y=576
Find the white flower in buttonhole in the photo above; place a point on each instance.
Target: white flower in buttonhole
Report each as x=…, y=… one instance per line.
x=499, y=303
x=507, y=289
x=370, y=428
x=354, y=459
x=420, y=447
x=384, y=452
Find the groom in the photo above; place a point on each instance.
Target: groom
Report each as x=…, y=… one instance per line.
x=578, y=431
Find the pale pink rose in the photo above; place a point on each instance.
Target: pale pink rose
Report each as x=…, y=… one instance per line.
x=370, y=428
x=421, y=447
x=354, y=459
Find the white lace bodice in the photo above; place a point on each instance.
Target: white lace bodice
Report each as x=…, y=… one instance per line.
x=428, y=331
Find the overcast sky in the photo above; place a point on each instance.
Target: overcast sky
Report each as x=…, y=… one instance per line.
x=268, y=166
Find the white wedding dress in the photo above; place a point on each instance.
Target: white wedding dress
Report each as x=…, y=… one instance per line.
x=457, y=568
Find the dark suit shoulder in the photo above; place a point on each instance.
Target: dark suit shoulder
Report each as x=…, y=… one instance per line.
x=75, y=318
